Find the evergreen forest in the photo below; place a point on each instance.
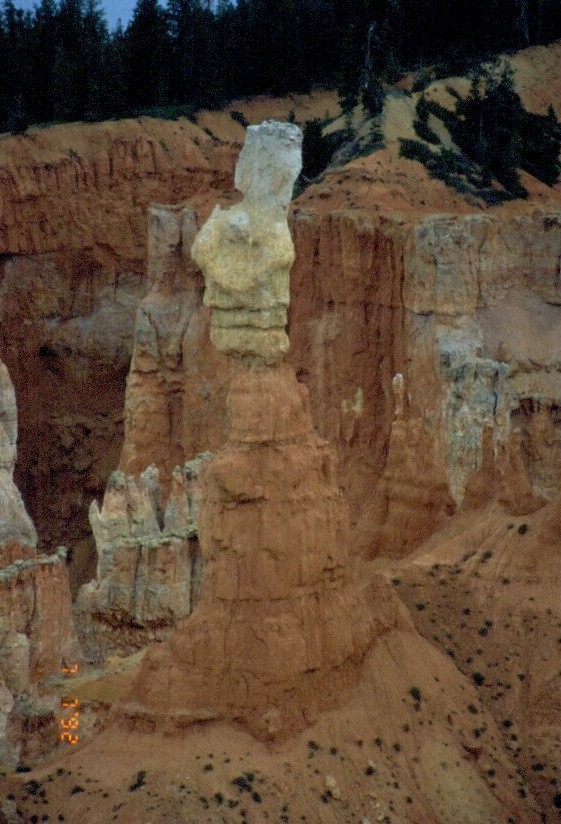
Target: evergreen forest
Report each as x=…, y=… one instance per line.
x=61, y=62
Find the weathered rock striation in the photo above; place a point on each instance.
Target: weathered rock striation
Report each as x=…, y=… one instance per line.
x=483, y=295
x=502, y=477
x=280, y=630
x=412, y=498
x=73, y=244
x=36, y=637
x=149, y=567
x=446, y=299
x=176, y=387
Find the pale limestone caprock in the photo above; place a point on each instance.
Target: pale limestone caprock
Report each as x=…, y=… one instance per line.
x=246, y=252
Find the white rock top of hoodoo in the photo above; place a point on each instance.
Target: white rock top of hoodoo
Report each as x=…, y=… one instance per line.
x=269, y=164
x=246, y=252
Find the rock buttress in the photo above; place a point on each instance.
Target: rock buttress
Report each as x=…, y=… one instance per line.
x=280, y=630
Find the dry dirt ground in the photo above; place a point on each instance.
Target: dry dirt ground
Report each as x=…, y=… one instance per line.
x=456, y=719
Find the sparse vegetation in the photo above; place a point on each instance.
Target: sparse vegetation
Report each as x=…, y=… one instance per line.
x=139, y=782
x=496, y=136
x=239, y=118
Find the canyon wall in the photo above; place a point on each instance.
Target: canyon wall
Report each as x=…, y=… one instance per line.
x=483, y=294
x=430, y=296
x=72, y=272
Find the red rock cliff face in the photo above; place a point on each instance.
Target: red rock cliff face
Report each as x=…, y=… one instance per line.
x=73, y=246
x=346, y=326
x=281, y=629
x=347, y=335
x=372, y=294
x=77, y=188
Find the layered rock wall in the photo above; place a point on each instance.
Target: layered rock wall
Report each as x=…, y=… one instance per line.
x=482, y=294
x=72, y=273
x=433, y=297
x=412, y=497
x=73, y=188
x=176, y=388
x=346, y=322
x=36, y=639
x=374, y=296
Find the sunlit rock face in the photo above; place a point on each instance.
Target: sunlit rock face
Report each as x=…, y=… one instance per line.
x=483, y=297
x=246, y=252
x=281, y=628
x=177, y=382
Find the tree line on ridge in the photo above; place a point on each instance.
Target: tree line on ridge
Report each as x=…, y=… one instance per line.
x=61, y=62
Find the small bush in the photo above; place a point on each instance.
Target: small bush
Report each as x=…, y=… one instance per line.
x=242, y=783
x=239, y=118
x=140, y=781
x=424, y=131
x=317, y=148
